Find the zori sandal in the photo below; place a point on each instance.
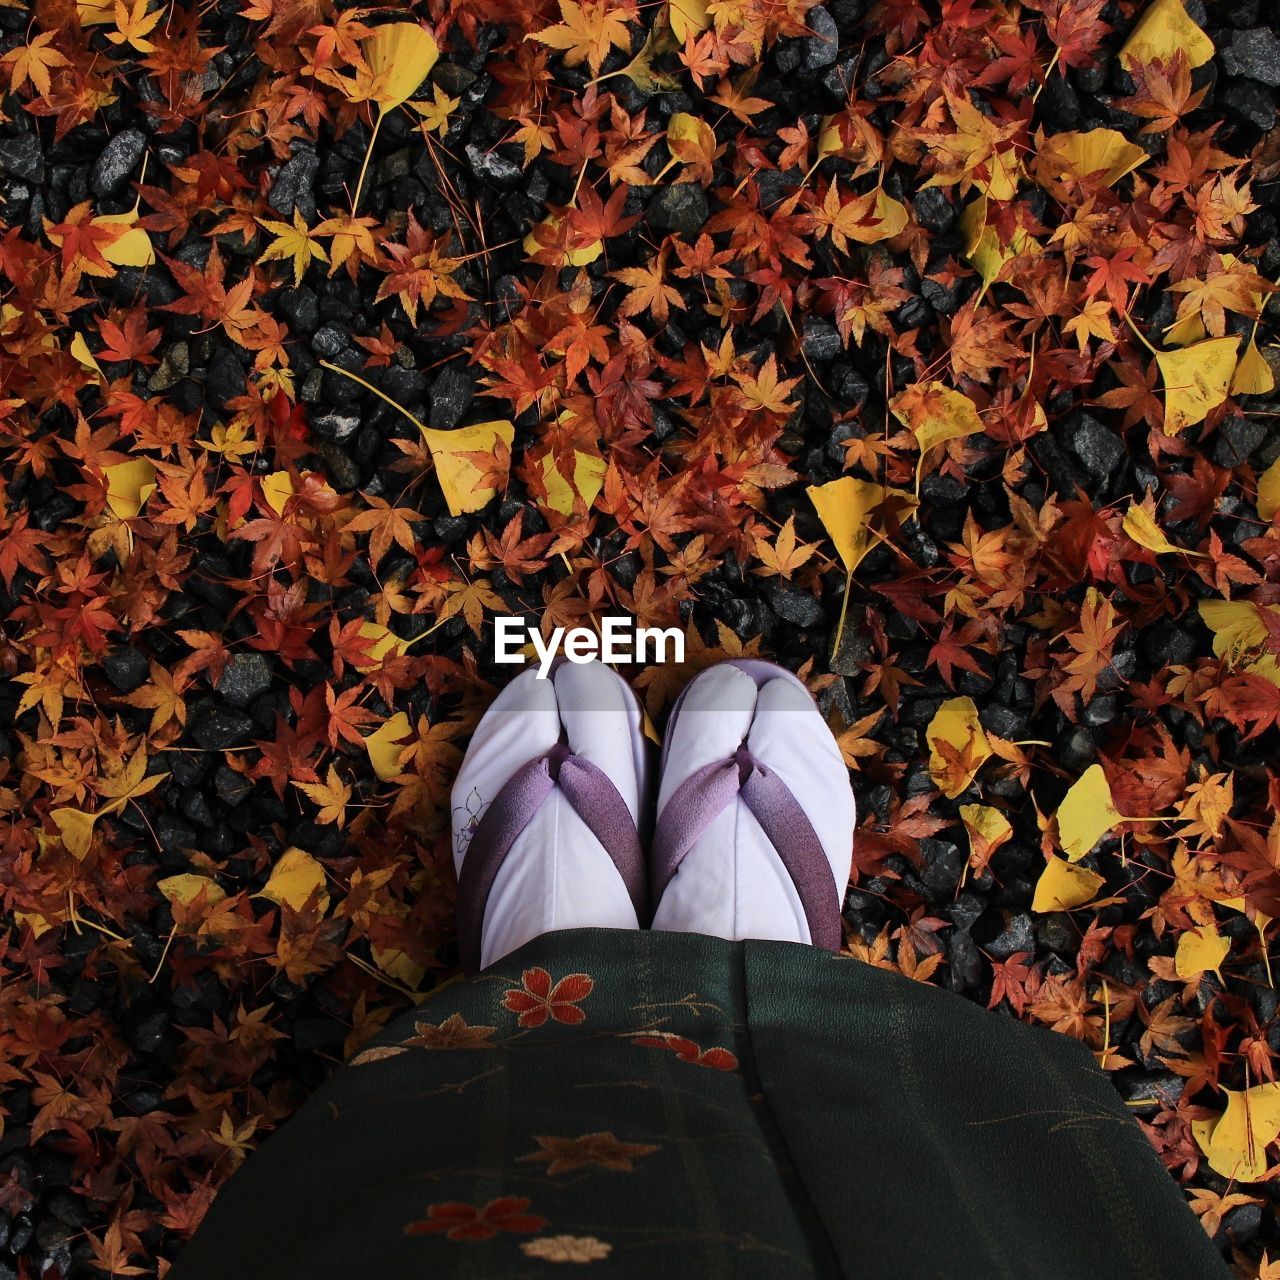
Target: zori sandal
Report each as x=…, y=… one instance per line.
x=546, y=810
x=754, y=834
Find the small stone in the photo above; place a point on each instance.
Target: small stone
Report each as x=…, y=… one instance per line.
x=336, y=424
x=344, y=473
x=329, y=341
x=246, y=677
x=217, y=728
x=1063, y=474
x=794, y=606
x=823, y=47
x=229, y=786
x=293, y=184
x=681, y=207
x=451, y=395
x=493, y=168
x=452, y=78
x=195, y=806
x=820, y=340
x=174, y=834
x=964, y=961
x=1059, y=104
x=146, y=1030
x=224, y=380
x=1097, y=446
x=126, y=668
x=23, y=157
x=1248, y=101
x=1017, y=935
x=933, y=210
x=1236, y=440
x=116, y=161
x=943, y=864
x=174, y=365
x=300, y=308
x=1255, y=54
x=1055, y=932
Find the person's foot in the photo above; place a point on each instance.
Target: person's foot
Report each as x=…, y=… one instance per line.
x=545, y=812
x=755, y=814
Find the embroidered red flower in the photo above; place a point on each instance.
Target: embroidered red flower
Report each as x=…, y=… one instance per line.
x=536, y=999
x=687, y=1051
x=461, y=1221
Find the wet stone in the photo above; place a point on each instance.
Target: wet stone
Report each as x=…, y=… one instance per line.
x=1254, y=54
x=246, y=677
x=681, y=207
x=126, y=668
x=116, y=161
x=217, y=728
x=23, y=157
x=794, y=606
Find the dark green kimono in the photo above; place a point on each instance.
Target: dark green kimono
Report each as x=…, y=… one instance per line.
x=660, y=1104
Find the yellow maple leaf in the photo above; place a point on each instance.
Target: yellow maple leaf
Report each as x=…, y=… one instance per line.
x=297, y=242
x=586, y=32
x=331, y=795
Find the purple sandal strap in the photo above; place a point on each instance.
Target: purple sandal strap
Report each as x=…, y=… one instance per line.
x=591, y=795
x=706, y=793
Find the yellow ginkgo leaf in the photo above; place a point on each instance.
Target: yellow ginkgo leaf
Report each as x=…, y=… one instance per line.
x=1235, y=1144
x=133, y=247
x=1196, y=380
x=294, y=879
x=844, y=506
x=277, y=489
x=1200, y=951
x=395, y=964
x=400, y=55
x=988, y=829
x=1163, y=30
x=588, y=477
x=79, y=348
x=76, y=829
x=581, y=257
x=1237, y=627
x=1186, y=332
x=1104, y=155
x=1062, y=887
x=1086, y=813
x=1269, y=491
x=1141, y=526
x=986, y=822
x=983, y=246
x=1253, y=376
x=688, y=18
x=384, y=641
x=385, y=744
x=459, y=476
x=934, y=414
x=958, y=746
x=129, y=485
x=187, y=887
